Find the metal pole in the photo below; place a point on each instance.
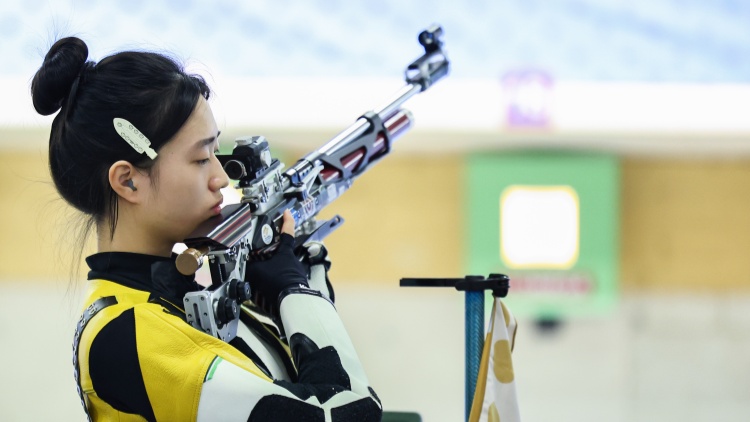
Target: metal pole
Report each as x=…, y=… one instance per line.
x=474, y=287
x=474, y=340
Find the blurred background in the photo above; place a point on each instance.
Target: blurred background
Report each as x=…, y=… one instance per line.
x=598, y=151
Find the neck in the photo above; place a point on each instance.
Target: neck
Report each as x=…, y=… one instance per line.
x=132, y=237
x=105, y=244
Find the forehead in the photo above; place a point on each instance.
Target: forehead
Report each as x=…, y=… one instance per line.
x=200, y=125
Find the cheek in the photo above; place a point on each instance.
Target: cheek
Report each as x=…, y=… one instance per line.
x=177, y=195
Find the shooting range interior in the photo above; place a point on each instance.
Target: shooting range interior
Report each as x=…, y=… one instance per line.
x=597, y=152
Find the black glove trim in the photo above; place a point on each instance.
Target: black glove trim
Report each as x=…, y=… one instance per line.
x=320, y=258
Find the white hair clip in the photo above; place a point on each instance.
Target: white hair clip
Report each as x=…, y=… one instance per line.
x=134, y=137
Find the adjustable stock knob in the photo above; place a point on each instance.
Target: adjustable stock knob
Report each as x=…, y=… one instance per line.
x=226, y=310
x=189, y=261
x=239, y=290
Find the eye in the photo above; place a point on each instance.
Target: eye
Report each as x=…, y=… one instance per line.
x=205, y=161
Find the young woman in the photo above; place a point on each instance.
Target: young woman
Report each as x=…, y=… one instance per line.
x=133, y=146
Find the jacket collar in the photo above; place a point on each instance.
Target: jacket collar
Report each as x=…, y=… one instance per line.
x=154, y=274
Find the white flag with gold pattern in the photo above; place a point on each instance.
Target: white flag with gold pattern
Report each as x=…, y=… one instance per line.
x=495, y=398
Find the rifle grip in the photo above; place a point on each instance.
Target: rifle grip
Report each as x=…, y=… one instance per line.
x=189, y=261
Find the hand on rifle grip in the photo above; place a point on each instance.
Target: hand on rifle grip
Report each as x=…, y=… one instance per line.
x=281, y=271
x=190, y=260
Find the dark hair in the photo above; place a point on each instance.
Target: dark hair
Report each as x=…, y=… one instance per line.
x=150, y=90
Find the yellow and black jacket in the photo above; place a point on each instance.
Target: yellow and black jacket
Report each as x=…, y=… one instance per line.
x=139, y=359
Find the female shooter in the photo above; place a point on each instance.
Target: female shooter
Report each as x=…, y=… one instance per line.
x=133, y=146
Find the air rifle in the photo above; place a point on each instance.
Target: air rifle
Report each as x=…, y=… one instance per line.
x=246, y=230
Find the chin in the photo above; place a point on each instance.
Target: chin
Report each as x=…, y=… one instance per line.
x=185, y=233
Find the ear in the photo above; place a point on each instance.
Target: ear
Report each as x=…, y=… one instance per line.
x=121, y=175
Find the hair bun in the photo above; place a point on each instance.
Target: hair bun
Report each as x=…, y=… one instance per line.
x=53, y=81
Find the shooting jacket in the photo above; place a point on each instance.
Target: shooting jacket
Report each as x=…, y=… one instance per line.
x=140, y=360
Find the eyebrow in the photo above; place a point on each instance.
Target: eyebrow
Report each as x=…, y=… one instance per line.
x=208, y=141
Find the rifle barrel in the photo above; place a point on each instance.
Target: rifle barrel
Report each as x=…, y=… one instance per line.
x=396, y=125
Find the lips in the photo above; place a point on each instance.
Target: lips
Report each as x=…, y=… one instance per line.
x=218, y=204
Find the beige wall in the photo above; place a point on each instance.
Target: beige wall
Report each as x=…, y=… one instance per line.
x=685, y=224
x=404, y=219
x=38, y=229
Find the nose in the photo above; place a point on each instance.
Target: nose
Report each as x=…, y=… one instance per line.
x=220, y=180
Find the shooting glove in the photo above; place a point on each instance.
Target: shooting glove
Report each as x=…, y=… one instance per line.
x=277, y=275
x=318, y=263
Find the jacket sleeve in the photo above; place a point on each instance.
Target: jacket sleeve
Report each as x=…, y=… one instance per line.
x=331, y=385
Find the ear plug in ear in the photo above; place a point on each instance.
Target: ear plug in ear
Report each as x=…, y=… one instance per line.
x=131, y=185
